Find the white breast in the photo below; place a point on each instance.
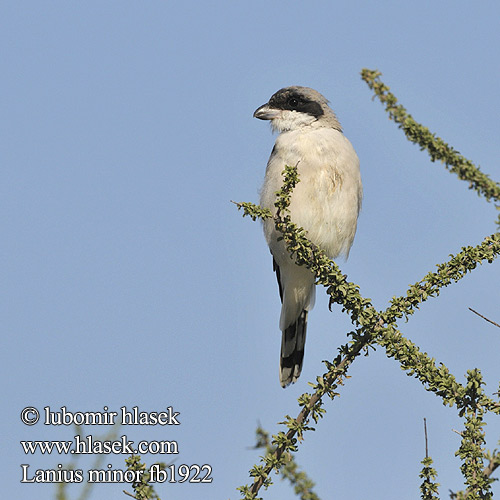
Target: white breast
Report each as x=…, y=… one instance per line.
x=327, y=200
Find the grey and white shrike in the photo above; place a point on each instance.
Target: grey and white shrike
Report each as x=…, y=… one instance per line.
x=325, y=202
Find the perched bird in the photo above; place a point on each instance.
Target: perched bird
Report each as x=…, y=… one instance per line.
x=325, y=202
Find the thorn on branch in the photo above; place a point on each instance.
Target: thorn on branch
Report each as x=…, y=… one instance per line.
x=426, y=442
x=129, y=494
x=484, y=317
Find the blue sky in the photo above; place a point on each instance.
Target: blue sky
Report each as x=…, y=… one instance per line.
x=129, y=278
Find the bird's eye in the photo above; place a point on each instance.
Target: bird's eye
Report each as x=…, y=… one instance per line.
x=293, y=102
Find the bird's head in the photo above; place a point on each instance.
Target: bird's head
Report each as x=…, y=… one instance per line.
x=292, y=108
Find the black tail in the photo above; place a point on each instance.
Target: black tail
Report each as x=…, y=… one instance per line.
x=293, y=340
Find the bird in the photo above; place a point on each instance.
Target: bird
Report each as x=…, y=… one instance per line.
x=325, y=203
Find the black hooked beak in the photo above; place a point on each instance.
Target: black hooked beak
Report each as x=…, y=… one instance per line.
x=264, y=112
